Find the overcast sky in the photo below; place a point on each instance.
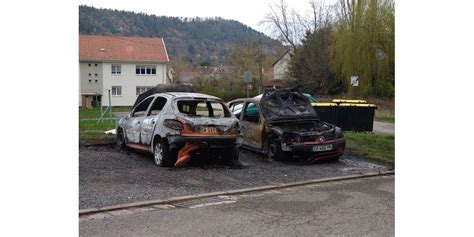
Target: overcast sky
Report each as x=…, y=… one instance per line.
x=249, y=12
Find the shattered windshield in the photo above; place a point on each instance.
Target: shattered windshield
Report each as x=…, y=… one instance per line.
x=281, y=104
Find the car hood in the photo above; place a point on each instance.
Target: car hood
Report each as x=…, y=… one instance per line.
x=286, y=104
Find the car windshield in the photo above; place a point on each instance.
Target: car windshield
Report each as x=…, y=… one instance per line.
x=282, y=104
x=203, y=108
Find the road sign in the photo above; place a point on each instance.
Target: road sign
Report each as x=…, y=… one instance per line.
x=248, y=76
x=355, y=80
x=249, y=86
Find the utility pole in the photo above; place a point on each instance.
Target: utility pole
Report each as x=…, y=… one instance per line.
x=260, y=65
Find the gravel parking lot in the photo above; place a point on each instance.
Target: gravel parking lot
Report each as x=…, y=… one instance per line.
x=109, y=176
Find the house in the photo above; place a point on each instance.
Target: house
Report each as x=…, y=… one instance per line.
x=125, y=66
x=280, y=70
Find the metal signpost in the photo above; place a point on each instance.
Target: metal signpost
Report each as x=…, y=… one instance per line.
x=355, y=83
x=248, y=80
x=109, y=108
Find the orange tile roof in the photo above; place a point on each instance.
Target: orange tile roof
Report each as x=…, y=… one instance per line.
x=121, y=48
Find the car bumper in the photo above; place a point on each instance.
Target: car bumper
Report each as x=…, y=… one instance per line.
x=337, y=150
x=212, y=141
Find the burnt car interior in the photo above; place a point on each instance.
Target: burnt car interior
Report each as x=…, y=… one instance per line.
x=141, y=109
x=157, y=106
x=251, y=113
x=282, y=103
x=203, y=108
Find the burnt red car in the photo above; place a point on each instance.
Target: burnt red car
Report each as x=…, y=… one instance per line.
x=283, y=125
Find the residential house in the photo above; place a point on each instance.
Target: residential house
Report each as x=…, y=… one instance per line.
x=280, y=70
x=125, y=66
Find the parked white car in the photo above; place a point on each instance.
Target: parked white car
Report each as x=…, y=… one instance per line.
x=162, y=123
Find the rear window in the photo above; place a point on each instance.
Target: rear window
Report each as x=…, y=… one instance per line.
x=203, y=109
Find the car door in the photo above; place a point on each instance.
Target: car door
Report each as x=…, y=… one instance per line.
x=252, y=125
x=149, y=122
x=132, y=130
x=236, y=108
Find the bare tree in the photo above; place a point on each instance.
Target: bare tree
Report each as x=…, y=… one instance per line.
x=178, y=65
x=292, y=26
x=284, y=22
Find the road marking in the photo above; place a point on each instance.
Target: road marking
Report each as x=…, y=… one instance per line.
x=166, y=203
x=211, y=204
x=165, y=206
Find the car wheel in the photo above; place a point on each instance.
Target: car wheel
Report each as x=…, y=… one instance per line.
x=274, y=150
x=121, y=143
x=163, y=155
x=231, y=157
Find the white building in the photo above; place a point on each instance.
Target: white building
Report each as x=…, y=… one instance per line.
x=280, y=66
x=279, y=70
x=127, y=66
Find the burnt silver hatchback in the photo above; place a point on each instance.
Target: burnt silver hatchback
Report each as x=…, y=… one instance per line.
x=173, y=125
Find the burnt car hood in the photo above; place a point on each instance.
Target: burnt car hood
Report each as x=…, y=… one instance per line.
x=286, y=104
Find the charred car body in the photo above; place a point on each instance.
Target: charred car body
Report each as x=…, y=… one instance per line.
x=282, y=124
x=172, y=124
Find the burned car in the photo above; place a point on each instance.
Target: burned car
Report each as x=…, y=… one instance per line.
x=172, y=125
x=282, y=124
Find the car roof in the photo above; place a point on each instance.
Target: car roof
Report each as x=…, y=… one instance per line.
x=190, y=94
x=254, y=100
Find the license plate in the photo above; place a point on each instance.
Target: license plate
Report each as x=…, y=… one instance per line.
x=208, y=130
x=322, y=148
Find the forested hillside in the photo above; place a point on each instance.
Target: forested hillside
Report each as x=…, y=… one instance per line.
x=200, y=40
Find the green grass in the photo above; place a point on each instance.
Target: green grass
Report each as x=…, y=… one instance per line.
x=95, y=113
x=370, y=145
x=385, y=119
x=384, y=116
x=91, y=133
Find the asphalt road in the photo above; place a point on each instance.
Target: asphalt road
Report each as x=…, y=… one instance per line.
x=384, y=128
x=361, y=207
x=109, y=176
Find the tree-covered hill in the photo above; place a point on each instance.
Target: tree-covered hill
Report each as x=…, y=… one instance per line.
x=199, y=40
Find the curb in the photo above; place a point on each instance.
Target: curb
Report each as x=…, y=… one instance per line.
x=232, y=192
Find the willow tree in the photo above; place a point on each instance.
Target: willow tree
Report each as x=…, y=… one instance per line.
x=364, y=45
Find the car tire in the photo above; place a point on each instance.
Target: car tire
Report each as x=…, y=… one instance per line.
x=121, y=143
x=274, y=150
x=231, y=157
x=163, y=155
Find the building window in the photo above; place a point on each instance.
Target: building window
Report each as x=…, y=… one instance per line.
x=96, y=81
x=116, y=69
x=90, y=74
x=90, y=81
x=141, y=89
x=96, y=74
x=145, y=70
x=116, y=90
x=96, y=64
x=89, y=65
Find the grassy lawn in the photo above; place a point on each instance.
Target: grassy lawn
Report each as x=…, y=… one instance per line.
x=385, y=119
x=384, y=116
x=370, y=145
x=90, y=132
x=95, y=113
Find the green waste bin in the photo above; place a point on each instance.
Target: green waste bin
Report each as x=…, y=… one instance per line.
x=328, y=112
x=356, y=116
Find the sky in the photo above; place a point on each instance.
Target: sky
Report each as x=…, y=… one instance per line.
x=249, y=12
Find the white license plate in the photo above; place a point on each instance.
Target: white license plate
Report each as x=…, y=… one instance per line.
x=208, y=130
x=322, y=148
